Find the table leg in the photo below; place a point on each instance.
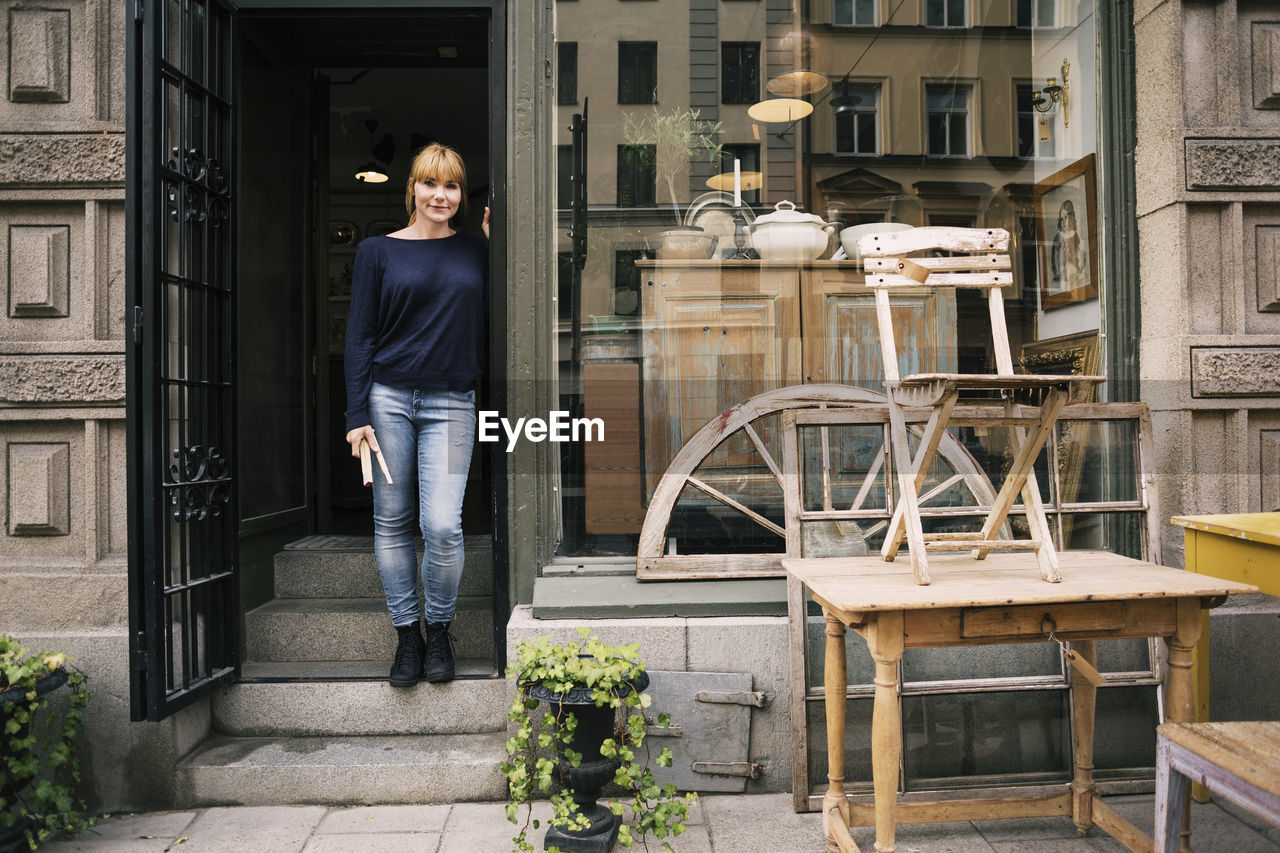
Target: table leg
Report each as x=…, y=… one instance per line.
x=1171, y=799
x=1084, y=698
x=885, y=642
x=1180, y=691
x=835, y=682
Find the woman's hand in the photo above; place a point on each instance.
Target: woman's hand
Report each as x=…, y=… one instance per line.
x=485, y=224
x=366, y=433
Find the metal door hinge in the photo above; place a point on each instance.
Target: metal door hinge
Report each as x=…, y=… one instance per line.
x=137, y=324
x=140, y=650
x=755, y=698
x=748, y=769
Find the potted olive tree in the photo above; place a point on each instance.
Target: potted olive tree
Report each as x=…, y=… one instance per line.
x=38, y=762
x=591, y=733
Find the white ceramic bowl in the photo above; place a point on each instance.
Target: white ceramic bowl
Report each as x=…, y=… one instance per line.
x=789, y=235
x=849, y=236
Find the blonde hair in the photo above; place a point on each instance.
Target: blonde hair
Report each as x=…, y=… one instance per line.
x=441, y=163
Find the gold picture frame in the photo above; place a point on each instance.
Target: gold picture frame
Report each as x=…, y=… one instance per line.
x=1066, y=227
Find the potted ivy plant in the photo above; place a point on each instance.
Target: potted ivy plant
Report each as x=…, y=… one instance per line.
x=591, y=733
x=38, y=762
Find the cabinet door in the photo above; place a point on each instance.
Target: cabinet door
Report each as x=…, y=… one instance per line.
x=842, y=340
x=711, y=339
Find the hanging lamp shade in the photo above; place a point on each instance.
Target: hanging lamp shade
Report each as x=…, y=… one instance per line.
x=797, y=83
x=780, y=110
x=371, y=173
x=724, y=181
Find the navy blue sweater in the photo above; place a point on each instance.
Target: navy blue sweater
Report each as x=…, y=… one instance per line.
x=417, y=317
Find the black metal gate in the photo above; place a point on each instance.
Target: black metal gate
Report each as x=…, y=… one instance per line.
x=182, y=514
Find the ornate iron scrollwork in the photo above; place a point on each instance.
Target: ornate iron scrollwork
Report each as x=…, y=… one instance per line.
x=193, y=165
x=201, y=475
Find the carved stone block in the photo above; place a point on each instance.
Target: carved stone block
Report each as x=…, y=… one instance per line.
x=31, y=379
x=1233, y=164
x=1269, y=463
x=39, y=496
x=1267, y=266
x=39, y=270
x=1266, y=65
x=40, y=55
x=1235, y=371
x=80, y=158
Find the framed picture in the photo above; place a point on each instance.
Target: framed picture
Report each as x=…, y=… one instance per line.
x=1067, y=225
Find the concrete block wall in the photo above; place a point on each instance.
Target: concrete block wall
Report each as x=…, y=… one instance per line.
x=1208, y=172
x=64, y=540
x=752, y=644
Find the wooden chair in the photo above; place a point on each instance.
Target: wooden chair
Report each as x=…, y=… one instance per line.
x=977, y=260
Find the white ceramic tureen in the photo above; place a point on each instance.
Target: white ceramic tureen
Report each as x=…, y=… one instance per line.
x=789, y=235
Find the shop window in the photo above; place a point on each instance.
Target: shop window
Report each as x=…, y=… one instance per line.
x=567, y=72
x=857, y=119
x=1028, y=125
x=637, y=175
x=947, y=119
x=1037, y=13
x=946, y=13
x=637, y=72
x=853, y=13
x=748, y=157
x=740, y=72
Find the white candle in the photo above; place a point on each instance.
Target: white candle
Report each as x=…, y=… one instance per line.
x=737, y=182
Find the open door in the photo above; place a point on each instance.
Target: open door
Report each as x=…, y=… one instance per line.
x=184, y=590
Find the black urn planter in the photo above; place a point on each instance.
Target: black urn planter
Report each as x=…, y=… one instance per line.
x=14, y=838
x=595, y=725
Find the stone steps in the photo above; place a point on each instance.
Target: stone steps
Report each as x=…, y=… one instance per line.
x=469, y=705
x=343, y=770
x=351, y=629
x=344, y=567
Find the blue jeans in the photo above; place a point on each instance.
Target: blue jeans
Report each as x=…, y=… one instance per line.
x=426, y=439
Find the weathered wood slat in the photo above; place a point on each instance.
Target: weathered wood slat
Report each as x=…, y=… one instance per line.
x=990, y=261
x=1110, y=821
x=934, y=237
x=884, y=281
x=745, y=510
x=986, y=544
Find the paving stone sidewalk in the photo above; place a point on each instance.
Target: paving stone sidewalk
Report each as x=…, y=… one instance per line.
x=761, y=823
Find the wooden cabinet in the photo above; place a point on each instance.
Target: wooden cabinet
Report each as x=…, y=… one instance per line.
x=714, y=333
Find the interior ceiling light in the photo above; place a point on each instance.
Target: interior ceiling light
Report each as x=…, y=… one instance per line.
x=780, y=110
x=724, y=181
x=795, y=84
x=371, y=173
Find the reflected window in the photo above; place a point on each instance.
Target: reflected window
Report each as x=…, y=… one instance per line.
x=637, y=72
x=567, y=72
x=1028, y=123
x=1037, y=13
x=857, y=118
x=626, y=282
x=740, y=72
x=748, y=157
x=853, y=13
x=945, y=13
x=564, y=175
x=637, y=175
x=947, y=106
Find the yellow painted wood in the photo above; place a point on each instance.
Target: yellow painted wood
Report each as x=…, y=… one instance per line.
x=1261, y=527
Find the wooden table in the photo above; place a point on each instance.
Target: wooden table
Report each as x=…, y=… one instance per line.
x=1240, y=761
x=997, y=600
x=1243, y=548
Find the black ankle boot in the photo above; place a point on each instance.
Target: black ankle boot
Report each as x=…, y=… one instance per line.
x=410, y=651
x=439, y=665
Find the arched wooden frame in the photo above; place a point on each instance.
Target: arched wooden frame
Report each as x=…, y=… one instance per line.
x=847, y=405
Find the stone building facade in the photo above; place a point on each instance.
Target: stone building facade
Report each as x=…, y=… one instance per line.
x=1205, y=309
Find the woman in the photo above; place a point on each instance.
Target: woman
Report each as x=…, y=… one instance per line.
x=1069, y=259
x=415, y=347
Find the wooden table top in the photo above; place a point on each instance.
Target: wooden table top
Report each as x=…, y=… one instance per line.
x=863, y=584
x=1251, y=526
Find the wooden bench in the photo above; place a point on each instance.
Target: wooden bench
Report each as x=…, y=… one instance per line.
x=1238, y=761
